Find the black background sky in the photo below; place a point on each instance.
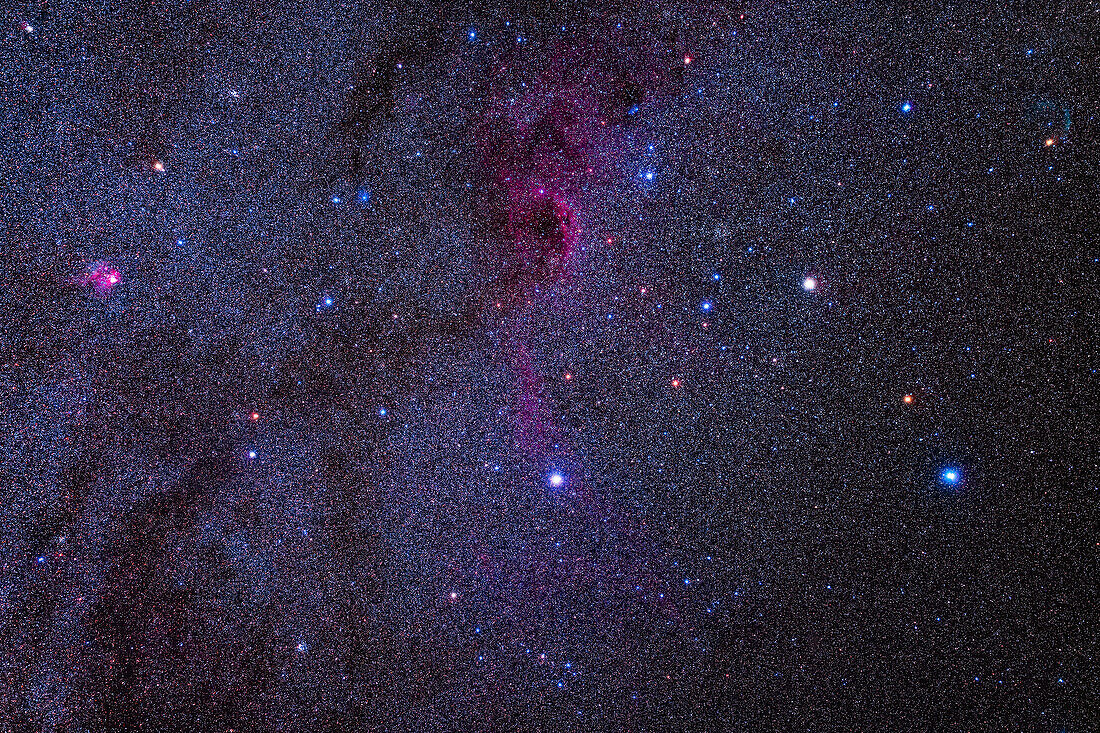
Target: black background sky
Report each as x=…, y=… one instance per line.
x=670, y=366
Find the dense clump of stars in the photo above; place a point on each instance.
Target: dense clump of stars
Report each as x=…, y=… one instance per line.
x=656, y=367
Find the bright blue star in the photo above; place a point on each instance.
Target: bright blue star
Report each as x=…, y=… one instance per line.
x=648, y=175
x=706, y=305
x=716, y=277
x=472, y=34
x=381, y=411
x=363, y=196
x=336, y=200
x=951, y=476
x=906, y=108
x=557, y=480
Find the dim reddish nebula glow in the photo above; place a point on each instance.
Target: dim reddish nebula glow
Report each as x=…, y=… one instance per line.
x=543, y=154
x=101, y=277
x=542, y=230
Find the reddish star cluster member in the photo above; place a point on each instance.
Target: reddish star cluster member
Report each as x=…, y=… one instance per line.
x=101, y=277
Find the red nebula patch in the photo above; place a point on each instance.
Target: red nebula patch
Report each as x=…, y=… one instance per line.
x=101, y=277
x=542, y=232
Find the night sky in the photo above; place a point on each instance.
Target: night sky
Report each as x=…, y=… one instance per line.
x=548, y=366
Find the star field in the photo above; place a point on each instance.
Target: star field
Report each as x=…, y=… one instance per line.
x=510, y=366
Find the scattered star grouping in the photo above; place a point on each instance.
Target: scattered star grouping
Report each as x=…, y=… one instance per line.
x=500, y=366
